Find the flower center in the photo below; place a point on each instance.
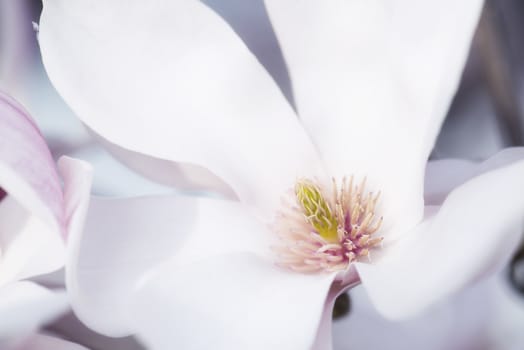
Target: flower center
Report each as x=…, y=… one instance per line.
x=321, y=231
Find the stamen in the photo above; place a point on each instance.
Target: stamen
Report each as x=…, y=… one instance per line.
x=320, y=232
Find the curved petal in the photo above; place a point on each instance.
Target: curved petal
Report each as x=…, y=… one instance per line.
x=45, y=342
x=373, y=81
x=235, y=301
x=442, y=176
x=125, y=238
x=472, y=234
x=171, y=79
x=25, y=306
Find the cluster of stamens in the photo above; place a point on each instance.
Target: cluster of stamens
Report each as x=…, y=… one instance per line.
x=326, y=231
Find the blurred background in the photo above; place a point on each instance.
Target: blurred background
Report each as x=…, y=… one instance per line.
x=486, y=116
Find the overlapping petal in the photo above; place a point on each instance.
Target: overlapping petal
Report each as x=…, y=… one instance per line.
x=372, y=93
x=173, y=81
x=442, y=176
x=373, y=81
x=35, y=213
x=38, y=209
x=27, y=170
x=471, y=234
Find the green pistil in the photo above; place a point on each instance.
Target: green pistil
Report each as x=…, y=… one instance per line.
x=317, y=210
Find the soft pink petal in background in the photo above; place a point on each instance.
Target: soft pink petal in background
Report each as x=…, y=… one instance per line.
x=28, y=171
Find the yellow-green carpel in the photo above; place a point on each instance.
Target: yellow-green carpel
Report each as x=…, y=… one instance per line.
x=317, y=210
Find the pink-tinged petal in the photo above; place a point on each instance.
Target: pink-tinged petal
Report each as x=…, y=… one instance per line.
x=25, y=306
x=373, y=81
x=235, y=301
x=471, y=235
x=170, y=79
x=344, y=281
x=442, y=176
x=27, y=170
x=46, y=342
x=324, y=338
x=125, y=238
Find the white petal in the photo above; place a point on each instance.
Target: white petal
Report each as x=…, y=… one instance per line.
x=125, y=238
x=170, y=79
x=25, y=306
x=235, y=301
x=373, y=81
x=45, y=342
x=473, y=234
x=442, y=176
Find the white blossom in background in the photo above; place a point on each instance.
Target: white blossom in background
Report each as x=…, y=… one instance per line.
x=372, y=82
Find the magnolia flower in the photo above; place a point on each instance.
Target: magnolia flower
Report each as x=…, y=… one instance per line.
x=372, y=82
x=37, y=215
